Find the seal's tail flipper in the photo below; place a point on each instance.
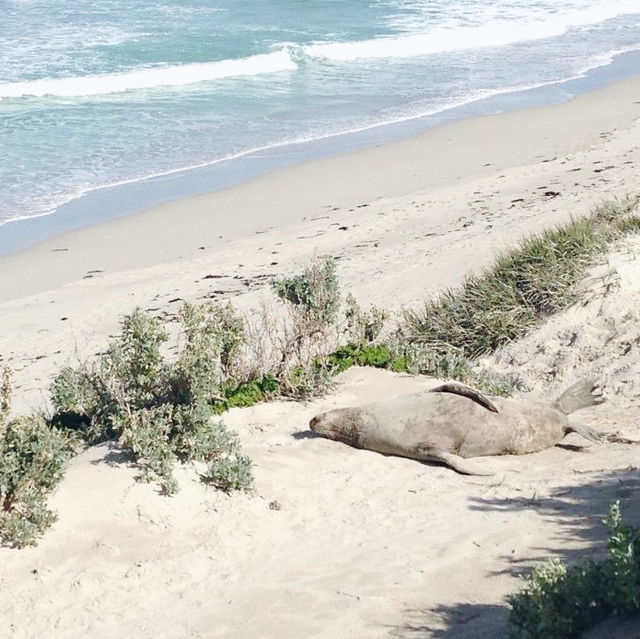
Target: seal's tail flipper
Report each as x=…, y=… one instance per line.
x=466, y=391
x=587, y=432
x=586, y=392
x=459, y=464
x=595, y=436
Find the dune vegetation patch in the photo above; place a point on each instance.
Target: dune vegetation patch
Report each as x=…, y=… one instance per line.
x=523, y=286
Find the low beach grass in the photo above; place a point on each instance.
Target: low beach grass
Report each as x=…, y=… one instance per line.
x=535, y=280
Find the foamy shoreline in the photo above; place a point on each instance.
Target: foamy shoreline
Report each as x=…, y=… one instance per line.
x=130, y=196
x=361, y=545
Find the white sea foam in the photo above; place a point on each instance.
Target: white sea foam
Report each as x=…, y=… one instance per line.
x=178, y=75
x=81, y=50
x=392, y=119
x=456, y=38
x=436, y=41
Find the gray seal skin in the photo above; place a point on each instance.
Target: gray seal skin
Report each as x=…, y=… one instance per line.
x=453, y=422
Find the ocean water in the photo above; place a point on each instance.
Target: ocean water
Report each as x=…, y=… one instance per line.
x=116, y=91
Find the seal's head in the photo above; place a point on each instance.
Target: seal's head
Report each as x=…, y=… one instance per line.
x=342, y=424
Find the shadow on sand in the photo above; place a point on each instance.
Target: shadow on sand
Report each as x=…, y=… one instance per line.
x=577, y=512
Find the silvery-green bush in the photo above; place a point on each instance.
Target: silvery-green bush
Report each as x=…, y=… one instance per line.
x=159, y=410
x=32, y=461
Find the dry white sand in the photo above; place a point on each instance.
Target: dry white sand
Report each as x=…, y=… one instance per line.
x=337, y=542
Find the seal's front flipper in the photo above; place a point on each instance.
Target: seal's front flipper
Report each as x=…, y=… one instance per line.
x=466, y=391
x=459, y=464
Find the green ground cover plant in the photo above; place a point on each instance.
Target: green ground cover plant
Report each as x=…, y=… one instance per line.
x=561, y=602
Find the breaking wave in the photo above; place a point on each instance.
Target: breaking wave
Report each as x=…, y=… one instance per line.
x=178, y=75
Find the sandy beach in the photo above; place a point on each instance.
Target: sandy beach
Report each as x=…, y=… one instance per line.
x=359, y=545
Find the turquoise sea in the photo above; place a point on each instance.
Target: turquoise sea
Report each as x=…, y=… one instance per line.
x=114, y=92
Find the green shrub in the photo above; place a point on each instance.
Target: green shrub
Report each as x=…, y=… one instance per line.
x=308, y=380
x=375, y=355
x=247, y=394
x=229, y=469
x=560, y=602
x=133, y=371
x=314, y=294
x=312, y=300
x=363, y=327
x=230, y=473
x=32, y=460
x=77, y=398
x=269, y=385
x=147, y=434
x=231, y=337
x=213, y=338
x=623, y=570
x=400, y=364
x=158, y=410
x=342, y=359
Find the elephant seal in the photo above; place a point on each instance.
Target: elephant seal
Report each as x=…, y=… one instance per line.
x=453, y=422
